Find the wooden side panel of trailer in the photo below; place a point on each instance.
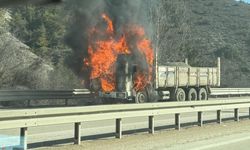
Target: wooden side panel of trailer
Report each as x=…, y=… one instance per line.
x=203, y=77
x=171, y=76
x=193, y=74
x=182, y=78
x=213, y=75
x=166, y=76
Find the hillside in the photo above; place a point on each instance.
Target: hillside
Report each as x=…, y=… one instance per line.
x=19, y=67
x=202, y=30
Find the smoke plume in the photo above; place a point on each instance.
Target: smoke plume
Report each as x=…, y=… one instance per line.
x=87, y=13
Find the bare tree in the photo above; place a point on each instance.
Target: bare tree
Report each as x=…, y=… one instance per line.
x=172, y=29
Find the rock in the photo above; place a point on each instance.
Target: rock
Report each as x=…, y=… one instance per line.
x=19, y=67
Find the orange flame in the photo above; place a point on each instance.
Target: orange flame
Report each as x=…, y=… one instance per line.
x=110, y=28
x=104, y=48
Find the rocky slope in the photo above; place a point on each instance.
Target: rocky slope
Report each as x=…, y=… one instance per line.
x=19, y=67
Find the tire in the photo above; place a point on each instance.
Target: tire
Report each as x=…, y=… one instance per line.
x=202, y=94
x=179, y=95
x=141, y=97
x=192, y=95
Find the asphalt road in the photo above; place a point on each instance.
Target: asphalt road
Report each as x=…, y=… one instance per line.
x=227, y=136
x=240, y=141
x=62, y=134
x=47, y=135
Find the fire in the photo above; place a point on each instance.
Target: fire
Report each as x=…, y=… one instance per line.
x=105, y=47
x=139, y=81
x=110, y=28
x=145, y=47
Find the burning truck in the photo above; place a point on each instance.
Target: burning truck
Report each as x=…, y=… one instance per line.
x=121, y=65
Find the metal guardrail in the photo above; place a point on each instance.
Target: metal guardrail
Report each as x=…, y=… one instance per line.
x=20, y=95
x=25, y=118
x=219, y=92
x=230, y=91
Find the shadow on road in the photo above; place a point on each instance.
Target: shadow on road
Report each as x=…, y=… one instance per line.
x=112, y=135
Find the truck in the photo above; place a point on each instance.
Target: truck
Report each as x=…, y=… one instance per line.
x=182, y=81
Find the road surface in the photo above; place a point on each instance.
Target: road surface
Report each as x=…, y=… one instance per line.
x=227, y=136
x=62, y=134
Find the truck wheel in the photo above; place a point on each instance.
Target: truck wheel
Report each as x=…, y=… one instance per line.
x=141, y=97
x=202, y=95
x=192, y=95
x=179, y=95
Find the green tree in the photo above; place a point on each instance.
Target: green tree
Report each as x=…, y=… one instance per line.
x=41, y=28
x=40, y=36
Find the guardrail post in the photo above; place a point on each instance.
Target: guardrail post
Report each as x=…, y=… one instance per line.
x=177, y=121
x=151, y=125
x=77, y=134
x=23, y=138
x=118, y=128
x=236, y=114
x=219, y=120
x=200, y=118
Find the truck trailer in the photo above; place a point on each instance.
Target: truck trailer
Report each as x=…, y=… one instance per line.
x=182, y=81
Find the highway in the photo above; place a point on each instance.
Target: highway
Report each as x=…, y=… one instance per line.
x=62, y=134
x=227, y=136
x=233, y=141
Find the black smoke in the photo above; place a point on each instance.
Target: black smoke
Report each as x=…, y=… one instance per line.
x=87, y=13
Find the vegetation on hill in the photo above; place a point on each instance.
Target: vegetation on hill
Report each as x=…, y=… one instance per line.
x=202, y=30
x=199, y=30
